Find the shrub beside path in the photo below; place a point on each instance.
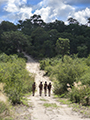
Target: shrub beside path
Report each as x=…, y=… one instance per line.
x=45, y=107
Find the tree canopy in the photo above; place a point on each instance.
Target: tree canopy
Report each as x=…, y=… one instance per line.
x=39, y=39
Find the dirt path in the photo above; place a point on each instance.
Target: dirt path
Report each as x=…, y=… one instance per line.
x=39, y=111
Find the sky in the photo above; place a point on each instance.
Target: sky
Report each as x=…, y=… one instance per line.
x=50, y=10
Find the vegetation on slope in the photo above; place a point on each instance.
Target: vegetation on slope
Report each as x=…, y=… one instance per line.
x=71, y=76
x=15, y=77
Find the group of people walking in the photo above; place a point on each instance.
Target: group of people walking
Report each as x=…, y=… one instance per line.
x=46, y=87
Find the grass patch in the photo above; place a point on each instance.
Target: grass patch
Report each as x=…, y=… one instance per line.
x=65, y=101
x=53, y=105
x=84, y=110
x=25, y=102
x=43, y=99
x=28, y=94
x=76, y=106
x=56, y=96
x=59, y=96
x=3, y=107
x=4, y=112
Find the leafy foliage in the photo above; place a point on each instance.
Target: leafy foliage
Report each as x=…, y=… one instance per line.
x=68, y=71
x=3, y=107
x=62, y=46
x=15, y=76
x=41, y=39
x=4, y=111
x=80, y=93
x=13, y=41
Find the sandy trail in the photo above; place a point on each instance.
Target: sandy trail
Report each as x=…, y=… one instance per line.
x=39, y=111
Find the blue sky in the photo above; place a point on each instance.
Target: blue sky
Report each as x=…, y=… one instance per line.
x=14, y=10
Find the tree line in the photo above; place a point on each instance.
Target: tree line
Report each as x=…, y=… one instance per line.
x=41, y=39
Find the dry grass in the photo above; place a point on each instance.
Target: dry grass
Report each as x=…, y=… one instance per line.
x=4, y=111
x=1, y=86
x=2, y=95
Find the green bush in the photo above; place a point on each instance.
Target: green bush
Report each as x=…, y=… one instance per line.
x=16, y=78
x=88, y=61
x=44, y=63
x=85, y=79
x=58, y=89
x=3, y=57
x=5, y=111
x=67, y=71
x=70, y=72
x=80, y=93
x=3, y=107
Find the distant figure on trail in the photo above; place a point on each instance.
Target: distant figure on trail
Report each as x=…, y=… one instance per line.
x=33, y=88
x=49, y=88
x=40, y=88
x=45, y=88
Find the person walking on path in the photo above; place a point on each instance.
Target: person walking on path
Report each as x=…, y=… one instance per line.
x=49, y=88
x=45, y=88
x=40, y=88
x=33, y=88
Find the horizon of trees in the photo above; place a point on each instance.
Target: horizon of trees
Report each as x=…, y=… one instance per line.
x=40, y=39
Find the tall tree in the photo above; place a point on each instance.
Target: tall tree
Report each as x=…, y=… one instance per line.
x=82, y=50
x=29, y=25
x=62, y=46
x=72, y=21
x=89, y=20
x=7, y=26
x=88, y=23
x=58, y=25
x=37, y=21
x=13, y=41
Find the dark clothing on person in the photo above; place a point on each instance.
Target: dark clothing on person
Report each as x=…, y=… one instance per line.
x=40, y=88
x=33, y=88
x=45, y=88
x=49, y=89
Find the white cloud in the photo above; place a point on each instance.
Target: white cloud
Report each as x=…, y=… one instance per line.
x=2, y=1
x=25, y=12
x=73, y=2
x=52, y=9
x=42, y=3
x=1, y=20
x=17, y=9
x=44, y=12
x=59, y=9
x=82, y=16
x=24, y=1
x=11, y=8
x=48, y=9
x=22, y=14
x=13, y=5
